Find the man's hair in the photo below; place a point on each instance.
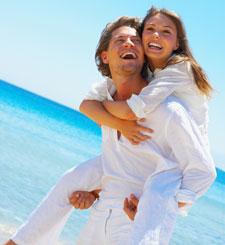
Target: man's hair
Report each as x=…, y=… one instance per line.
x=106, y=36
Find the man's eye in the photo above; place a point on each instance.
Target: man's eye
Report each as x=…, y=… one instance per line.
x=119, y=40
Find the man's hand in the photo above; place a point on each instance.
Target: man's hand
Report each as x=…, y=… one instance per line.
x=130, y=206
x=83, y=199
x=181, y=204
x=10, y=242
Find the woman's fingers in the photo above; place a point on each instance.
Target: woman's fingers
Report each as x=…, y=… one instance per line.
x=144, y=129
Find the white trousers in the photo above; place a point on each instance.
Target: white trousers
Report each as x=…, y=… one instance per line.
x=46, y=222
x=153, y=223
x=157, y=209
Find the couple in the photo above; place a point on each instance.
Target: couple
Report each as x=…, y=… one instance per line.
x=171, y=169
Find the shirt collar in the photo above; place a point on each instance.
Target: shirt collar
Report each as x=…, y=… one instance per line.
x=111, y=89
x=152, y=74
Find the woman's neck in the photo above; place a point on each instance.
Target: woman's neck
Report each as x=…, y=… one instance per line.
x=159, y=64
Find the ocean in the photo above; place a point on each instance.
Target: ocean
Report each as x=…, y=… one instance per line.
x=41, y=139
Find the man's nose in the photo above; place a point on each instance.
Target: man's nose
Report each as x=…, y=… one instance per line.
x=128, y=43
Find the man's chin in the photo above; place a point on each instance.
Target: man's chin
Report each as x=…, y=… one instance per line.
x=131, y=68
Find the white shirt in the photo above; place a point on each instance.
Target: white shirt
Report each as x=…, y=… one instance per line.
x=176, y=80
x=176, y=143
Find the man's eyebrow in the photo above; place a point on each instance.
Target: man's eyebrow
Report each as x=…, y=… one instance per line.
x=121, y=36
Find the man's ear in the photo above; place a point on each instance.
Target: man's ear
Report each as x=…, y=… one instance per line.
x=104, y=57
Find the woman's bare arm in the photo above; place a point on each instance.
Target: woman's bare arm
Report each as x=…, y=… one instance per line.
x=120, y=109
x=129, y=128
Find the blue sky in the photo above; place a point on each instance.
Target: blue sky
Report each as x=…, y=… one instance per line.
x=48, y=47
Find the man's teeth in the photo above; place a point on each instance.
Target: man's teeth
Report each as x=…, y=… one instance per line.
x=128, y=55
x=155, y=45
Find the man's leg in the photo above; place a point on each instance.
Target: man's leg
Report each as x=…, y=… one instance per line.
x=157, y=210
x=44, y=225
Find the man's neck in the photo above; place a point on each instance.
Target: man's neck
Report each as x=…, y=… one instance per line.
x=128, y=85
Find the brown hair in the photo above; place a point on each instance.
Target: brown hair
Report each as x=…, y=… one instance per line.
x=105, y=38
x=183, y=53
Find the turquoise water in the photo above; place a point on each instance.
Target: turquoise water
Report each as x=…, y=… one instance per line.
x=40, y=139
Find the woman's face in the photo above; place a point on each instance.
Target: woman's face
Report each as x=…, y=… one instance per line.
x=159, y=39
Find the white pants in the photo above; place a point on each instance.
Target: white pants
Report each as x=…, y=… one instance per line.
x=154, y=221
x=106, y=227
x=45, y=224
x=157, y=209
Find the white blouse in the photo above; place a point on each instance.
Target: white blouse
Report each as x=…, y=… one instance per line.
x=176, y=80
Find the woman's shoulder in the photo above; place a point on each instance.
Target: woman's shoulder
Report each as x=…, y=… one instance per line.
x=181, y=70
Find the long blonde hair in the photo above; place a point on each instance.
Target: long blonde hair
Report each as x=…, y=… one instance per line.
x=183, y=53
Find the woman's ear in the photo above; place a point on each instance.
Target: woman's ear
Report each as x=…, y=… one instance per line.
x=177, y=45
x=104, y=57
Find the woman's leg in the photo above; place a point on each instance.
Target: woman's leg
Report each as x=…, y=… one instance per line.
x=157, y=209
x=46, y=222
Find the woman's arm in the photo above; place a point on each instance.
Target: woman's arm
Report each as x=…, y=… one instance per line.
x=130, y=129
x=120, y=109
x=173, y=78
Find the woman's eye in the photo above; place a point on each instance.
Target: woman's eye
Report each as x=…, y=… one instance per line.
x=149, y=29
x=166, y=31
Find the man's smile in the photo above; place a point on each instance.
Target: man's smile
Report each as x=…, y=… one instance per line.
x=128, y=55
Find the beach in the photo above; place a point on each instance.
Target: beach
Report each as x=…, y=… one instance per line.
x=40, y=140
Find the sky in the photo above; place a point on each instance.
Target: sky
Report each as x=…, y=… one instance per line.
x=48, y=47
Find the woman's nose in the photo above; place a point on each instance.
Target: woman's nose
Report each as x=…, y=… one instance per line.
x=156, y=35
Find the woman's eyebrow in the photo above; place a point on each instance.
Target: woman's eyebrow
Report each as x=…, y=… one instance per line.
x=169, y=27
x=151, y=24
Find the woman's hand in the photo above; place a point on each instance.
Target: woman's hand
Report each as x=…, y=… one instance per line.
x=134, y=132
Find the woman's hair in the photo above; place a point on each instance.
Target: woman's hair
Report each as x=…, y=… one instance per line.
x=106, y=36
x=183, y=53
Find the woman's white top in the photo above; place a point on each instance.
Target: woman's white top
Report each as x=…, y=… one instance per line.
x=176, y=80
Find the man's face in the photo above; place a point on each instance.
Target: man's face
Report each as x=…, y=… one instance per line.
x=125, y=54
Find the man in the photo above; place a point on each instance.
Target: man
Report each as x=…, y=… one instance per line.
x=124, y=168
x=129, y=168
